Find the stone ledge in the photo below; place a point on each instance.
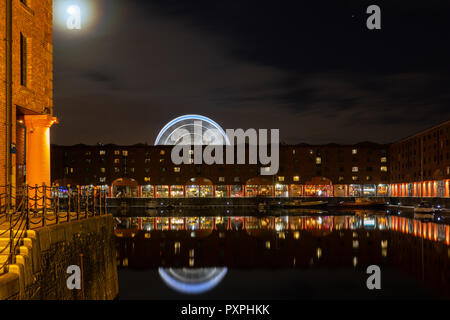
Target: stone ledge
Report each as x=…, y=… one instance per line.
x=9, y=286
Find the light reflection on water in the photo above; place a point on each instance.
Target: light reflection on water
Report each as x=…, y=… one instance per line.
x=183, y=247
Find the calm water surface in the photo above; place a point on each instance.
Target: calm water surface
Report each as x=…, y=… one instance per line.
x=287, y=255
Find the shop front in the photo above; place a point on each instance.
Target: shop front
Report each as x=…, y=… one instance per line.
x=281, y=190
x=125, y=188
x=199, y=188
x=382, y=190
x=148, y=191
x=340, y=190
x=296, y=190
x=369, y=190
x=318, y=187
x=354, y=190
x=259, y=187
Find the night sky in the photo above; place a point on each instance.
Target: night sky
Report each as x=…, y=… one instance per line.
x=310, y=68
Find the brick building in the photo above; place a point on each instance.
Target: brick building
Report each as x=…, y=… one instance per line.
x=420, y=164
x=26, y=91
x=311, y=170
x=417, y=166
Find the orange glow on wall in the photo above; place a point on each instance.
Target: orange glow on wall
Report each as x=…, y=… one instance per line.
x=447, y=191
x=38, y=148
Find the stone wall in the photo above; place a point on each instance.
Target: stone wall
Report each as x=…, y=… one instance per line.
x=40, y=269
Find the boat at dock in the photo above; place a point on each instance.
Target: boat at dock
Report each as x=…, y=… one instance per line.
x=365, y=203
x=305, y=204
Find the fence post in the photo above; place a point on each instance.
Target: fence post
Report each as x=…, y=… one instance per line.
x=78, y=202
x=11, y=240
x=100, y=201
x=44, y=204
x=86, y=194
x=36, y=198
x=27, y=199
x=106, y=202
x=68, y=202
x=94, y=193
x=57, y=203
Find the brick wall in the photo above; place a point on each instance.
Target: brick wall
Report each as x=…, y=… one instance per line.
x=34, y=22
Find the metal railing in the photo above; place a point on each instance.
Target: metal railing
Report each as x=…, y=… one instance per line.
x=30, y=207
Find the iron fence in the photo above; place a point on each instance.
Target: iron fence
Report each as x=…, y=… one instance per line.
x=29, y=207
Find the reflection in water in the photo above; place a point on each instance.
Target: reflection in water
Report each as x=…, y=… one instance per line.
x=193, y=254
x=192, y=281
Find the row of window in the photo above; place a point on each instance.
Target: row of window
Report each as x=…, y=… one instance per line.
x=178, y=169
x=279, y=179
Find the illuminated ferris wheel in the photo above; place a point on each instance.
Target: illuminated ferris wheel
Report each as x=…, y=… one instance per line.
x=192, y=129
x=192, y=280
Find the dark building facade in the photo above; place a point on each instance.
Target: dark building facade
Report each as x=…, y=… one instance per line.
x=417, y=166
x=420, y=164
x=305, y=170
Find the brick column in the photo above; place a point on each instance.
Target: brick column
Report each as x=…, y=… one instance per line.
x=38, y=148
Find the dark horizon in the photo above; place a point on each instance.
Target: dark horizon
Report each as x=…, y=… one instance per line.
x=312, y=70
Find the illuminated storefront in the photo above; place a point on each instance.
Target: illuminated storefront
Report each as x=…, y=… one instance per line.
x=354, y=190
x=125, y=188
x=382, y=190
x=296, y=190
x=281, y=190
x=259, y=187
x=369, y=190
x=340, y=190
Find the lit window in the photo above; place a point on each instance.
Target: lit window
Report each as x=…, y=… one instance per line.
x=318, y=160
x=125, y=153
x=280, y=178
x=116, y=161
x=102, y=152
x=176, y=169
x=368, y=178
x=221, y=179
x=162, y=152
x=102, y=179
x=354, y=151
x=354, y=178
x=383, y=159
x=383, y=169
x=117, y=152
x=71, y=170
x=341, y=178
x=296, y=178
x=355, y=169
x=132, y=169
x=177, y=246
x=311, y=151
x=293, y=151
x=161, y=160
x=116, y=169
x=103, y=170
x=147, y=179
x=147, y=160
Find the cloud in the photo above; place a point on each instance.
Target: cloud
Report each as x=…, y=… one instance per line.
x=311, y=69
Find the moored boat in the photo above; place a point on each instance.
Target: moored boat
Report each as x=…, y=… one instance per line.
x=305, y=204
x=362, y=203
